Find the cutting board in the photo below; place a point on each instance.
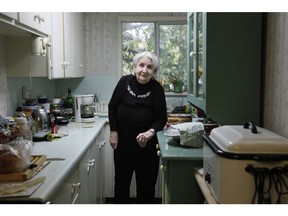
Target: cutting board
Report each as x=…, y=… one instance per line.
x=27, y=174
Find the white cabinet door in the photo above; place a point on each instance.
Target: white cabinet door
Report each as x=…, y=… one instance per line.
x=87, y=174
x=67, y=51
x=74, y=44
x=69, y=191
x=91, y=173
x=109, y=166
x=37, y=20
x=100, y=169
x=57, y=47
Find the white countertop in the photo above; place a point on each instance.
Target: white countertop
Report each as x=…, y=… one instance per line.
x=72, y=148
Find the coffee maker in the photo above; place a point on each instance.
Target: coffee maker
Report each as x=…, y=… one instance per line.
x=84, y=108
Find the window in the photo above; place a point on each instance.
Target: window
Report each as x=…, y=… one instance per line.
x=166, y=38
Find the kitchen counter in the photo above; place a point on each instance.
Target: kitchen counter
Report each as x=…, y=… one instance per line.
x=71, y=148
x=173, y=152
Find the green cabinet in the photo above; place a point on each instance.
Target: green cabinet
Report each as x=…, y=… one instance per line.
x=179, y=185
x=224, y=65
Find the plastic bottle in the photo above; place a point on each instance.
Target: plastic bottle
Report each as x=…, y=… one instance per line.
x=68, y=104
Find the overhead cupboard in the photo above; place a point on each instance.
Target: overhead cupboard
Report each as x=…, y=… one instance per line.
x=224, y=65
x=60, y=35
x=40, y=21
x=67, y=45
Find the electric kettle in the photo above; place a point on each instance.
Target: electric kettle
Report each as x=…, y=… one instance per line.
x=40, y=118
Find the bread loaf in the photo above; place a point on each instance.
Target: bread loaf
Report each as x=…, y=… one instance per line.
x=10, y=161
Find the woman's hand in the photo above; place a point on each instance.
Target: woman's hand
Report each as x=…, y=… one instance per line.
x=142, y=138
x=113, y=139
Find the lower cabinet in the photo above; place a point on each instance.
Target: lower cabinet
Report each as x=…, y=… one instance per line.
x=179, y=185
x=85, y=183
x=68, y=192
x=177, y=166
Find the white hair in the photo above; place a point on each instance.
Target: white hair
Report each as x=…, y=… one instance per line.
x=152, y=56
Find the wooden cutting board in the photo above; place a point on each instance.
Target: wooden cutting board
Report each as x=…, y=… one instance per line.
x=27, y=174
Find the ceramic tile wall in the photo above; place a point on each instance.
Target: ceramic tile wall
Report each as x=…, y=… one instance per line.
x=276, y=74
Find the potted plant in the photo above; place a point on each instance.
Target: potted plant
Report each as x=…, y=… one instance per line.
x=176, y=80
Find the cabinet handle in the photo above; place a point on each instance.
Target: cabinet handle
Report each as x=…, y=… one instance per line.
x=91, y=163
x=192, y=54
x=158, y=153
x=101, y=144
x=163, y=168
x=39, y=18
x=74, y=187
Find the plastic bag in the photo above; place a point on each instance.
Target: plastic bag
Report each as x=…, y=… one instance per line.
x=191, y=134
x=24, y=150
x=10, y=160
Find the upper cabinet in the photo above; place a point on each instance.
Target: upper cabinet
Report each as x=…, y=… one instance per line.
x=24, y=23
x=224, y=65
x=13, y=15
x=65, y=53
x=37, y=20
x=67, y=50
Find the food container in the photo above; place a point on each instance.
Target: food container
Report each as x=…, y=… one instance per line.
x=240, y=163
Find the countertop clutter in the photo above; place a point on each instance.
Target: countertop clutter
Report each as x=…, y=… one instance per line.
x=62, y=157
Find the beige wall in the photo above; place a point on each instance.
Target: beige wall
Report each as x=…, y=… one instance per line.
x=275, y=107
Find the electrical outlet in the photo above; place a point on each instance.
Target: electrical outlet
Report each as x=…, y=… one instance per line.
x=26, y=93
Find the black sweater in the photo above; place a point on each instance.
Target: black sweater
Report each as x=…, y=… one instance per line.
x=134, y=108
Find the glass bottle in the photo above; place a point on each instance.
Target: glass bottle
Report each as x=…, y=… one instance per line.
x=68, y=104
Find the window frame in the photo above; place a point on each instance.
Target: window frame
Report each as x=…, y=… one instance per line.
x=158, y=20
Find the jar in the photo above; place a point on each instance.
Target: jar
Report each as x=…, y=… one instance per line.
x=24, y=128
x=61, y=127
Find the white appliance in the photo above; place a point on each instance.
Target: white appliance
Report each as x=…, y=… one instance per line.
x=84, y=107
x=39, y=45
x=240, y=162
x=77, y=106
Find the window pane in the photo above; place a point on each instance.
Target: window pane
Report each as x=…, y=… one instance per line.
x=173, y=49
x=136, y=37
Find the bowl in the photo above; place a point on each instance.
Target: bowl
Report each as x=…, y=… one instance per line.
x=56, y=101
x=42, y=100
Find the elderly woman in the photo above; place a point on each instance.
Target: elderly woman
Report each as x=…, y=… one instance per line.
x=137, y=110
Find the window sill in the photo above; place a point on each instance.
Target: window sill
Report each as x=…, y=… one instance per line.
x=172, y=94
